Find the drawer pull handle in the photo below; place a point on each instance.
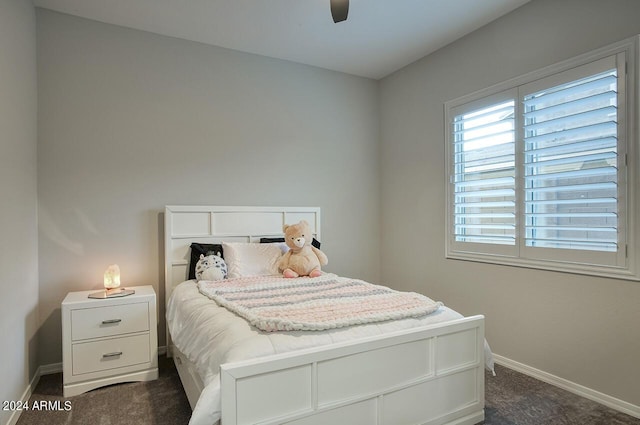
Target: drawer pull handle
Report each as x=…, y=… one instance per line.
x=107, y=322
x=114, y=354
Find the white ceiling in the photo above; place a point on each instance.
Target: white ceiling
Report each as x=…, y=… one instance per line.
x=378, y=38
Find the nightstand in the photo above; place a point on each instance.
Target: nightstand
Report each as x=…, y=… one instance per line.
x=108, y=341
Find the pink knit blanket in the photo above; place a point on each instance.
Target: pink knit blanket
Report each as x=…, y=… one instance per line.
x=274, y=303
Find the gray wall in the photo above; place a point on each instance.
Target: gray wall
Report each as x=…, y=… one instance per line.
x=18, y=213
x=131, y=121
x=580, y=328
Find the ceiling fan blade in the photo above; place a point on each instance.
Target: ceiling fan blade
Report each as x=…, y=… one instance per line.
x=339, y=10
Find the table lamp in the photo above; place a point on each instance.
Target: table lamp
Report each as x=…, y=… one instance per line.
x=112, y=284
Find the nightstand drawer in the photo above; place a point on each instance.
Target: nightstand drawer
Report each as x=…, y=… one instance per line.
x=108, y=321
x=113, y=353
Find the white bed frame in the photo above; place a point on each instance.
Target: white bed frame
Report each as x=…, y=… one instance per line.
x=429, y=375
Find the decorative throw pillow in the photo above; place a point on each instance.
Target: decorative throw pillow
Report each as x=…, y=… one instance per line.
x=205, y=249
x=251, y=259
x=314, y=242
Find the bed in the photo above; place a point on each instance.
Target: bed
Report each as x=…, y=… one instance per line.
x=418, y=370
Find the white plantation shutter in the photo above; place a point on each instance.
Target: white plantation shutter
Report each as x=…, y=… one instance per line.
x=538, y=169
x=484, y=178
x=570, y=164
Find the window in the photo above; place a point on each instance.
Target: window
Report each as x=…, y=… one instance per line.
x=484, y=174
x=539, y=172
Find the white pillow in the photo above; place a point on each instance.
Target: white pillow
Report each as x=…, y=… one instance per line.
x=283, y=246
x=251, y=259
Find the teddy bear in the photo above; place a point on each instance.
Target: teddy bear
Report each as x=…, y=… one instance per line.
x=211, y=267
x=302, y=259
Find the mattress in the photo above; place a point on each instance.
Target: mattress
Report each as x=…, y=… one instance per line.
x=210, y=335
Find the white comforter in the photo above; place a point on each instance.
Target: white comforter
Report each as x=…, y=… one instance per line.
x=210, y=335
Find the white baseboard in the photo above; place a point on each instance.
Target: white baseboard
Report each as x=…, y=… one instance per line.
x=49, y=369
x=572, y=387
x=13, y=419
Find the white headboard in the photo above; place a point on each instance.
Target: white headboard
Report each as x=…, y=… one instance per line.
x=184, y=224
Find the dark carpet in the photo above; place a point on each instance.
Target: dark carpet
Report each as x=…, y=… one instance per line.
x=156, y=402
x=511, y=399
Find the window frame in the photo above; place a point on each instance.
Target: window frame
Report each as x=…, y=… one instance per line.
x=623, y=263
